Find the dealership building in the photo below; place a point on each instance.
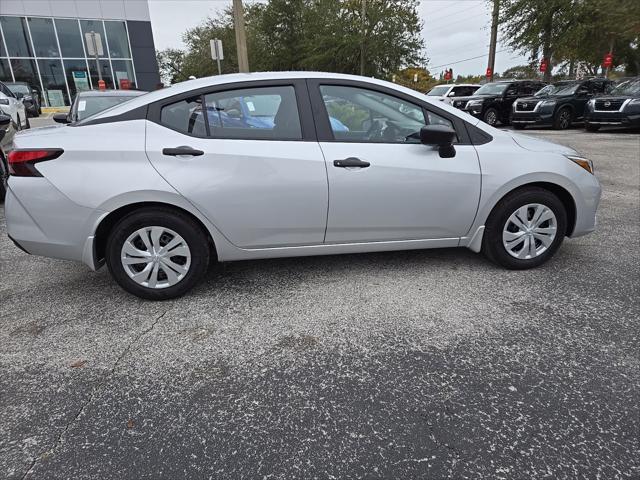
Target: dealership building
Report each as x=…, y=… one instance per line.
x=45, y=43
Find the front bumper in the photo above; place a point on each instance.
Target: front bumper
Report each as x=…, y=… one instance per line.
x=532, y=118
x=613, y=118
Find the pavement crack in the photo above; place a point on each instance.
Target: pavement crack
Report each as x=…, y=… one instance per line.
x=59, y=440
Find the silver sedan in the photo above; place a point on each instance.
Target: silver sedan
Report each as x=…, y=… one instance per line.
x=269, y=165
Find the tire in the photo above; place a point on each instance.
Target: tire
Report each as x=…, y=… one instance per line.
x=490, y=117
x=174, y=225
x=19, y=123
x=4, y=176
x=518, y=126
x=28, y=124
x=591, y=128
x=562, y=119
x=500, y=224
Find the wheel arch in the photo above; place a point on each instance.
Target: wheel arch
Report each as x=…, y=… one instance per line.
x=106, y=224
x=562, y=193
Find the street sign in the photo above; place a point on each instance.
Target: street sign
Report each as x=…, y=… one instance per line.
x=543, y=65
x=608, y=60
x=216, y=49
x=94, y=44
x=489, y=72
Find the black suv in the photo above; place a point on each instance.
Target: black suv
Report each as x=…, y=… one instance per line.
x=492, y=102
x=558, y=105
x=620, y=107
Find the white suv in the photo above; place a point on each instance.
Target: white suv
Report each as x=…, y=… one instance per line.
x=445, y=93
x=10, y=105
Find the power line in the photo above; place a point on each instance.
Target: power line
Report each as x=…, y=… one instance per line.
x=453, y=13
x=465, y=60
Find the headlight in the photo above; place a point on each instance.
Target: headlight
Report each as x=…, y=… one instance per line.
x=548, y=103
x=474, y=103
x=634, y=102
x=582, y=162
x=591, y=104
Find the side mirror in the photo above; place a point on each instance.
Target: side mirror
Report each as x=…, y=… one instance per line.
x=451, y=94
x=19, y=95
x=61, y=118
x=5, y=121
x=441, y=136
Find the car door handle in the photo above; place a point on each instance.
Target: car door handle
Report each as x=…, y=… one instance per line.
x=351, y=162
x=174, y=152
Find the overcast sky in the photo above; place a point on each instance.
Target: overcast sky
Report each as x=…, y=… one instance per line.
x=454, y=30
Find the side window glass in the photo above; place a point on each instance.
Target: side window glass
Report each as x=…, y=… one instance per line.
x=185, y=116
x=361, y=115
x=511, y=90
x=264, y=113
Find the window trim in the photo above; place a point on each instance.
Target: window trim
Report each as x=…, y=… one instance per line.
x=323, y=125
x=302, y=102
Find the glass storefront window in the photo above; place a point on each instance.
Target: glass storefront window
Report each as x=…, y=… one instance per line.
x=123, y=69
x=94, y=26
x=70, y=38
x=3, y=51
x=55, y=88
x=44, y=37
x=17, y=36
x=77, y=76
x=5, y=73
x=106, y=73
x=24, y=69
x=117, y=38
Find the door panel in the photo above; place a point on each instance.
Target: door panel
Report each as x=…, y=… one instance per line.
x=408, y=192
x=258, y=193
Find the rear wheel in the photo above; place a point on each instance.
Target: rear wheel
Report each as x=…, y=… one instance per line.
x=157, y=253
x=591, y=128
x=525, y=229
x=4, y=176
x=490, y=116
x=562, y=119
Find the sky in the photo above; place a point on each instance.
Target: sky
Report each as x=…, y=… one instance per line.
x=454, y=31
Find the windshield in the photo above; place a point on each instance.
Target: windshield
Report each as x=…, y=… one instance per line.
x=630, y=87
x=88, y=106
x=561, y=88
x=492, y=89
x=438, y=91
x=18, y=88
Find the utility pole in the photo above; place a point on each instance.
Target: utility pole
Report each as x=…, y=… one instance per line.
x=241, y=37
x=494, y=37
x=363, y=25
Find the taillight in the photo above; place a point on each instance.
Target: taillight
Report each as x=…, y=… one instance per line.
x=22, y=162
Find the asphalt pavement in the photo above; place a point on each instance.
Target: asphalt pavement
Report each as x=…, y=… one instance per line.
x=407, y=365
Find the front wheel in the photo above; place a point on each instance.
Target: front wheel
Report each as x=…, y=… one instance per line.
x=18, y=123
x=562, y=120
x=157, y=253
x=4, y=176
x=490, y=116
x=525, y=229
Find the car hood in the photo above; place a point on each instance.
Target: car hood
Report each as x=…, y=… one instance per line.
x=477, y=97
x=544, y=97
x=616, y=97
x=535, y=144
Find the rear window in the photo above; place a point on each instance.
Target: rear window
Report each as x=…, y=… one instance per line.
x=88, y=106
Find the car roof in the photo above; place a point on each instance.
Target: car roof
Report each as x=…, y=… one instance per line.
x=111, y=93
x=189, y=85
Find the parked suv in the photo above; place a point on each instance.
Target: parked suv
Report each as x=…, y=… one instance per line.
x=492, y=102
x=621, y=107
x=29, y=96
x=447, y=93
x=559, y=105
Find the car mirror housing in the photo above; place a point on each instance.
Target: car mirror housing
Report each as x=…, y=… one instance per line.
x=440, y=136
x=61, y=118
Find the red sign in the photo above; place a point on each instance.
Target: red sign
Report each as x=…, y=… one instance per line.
x=102, y=85
x=448, y=74
x=543, y=65
x=489, y=72
x=608, y=60
x=125, y=84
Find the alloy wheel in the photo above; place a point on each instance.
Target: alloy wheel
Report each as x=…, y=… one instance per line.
x=529, y=231
x=491, y=118
x=565, y=119
x=155, y=257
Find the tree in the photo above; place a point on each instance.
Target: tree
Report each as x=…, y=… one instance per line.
x=170, y=63
x=323, y=35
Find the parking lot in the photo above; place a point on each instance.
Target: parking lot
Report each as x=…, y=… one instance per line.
x=423, y=364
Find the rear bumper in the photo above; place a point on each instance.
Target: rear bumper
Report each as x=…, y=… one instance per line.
x=42, y=221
